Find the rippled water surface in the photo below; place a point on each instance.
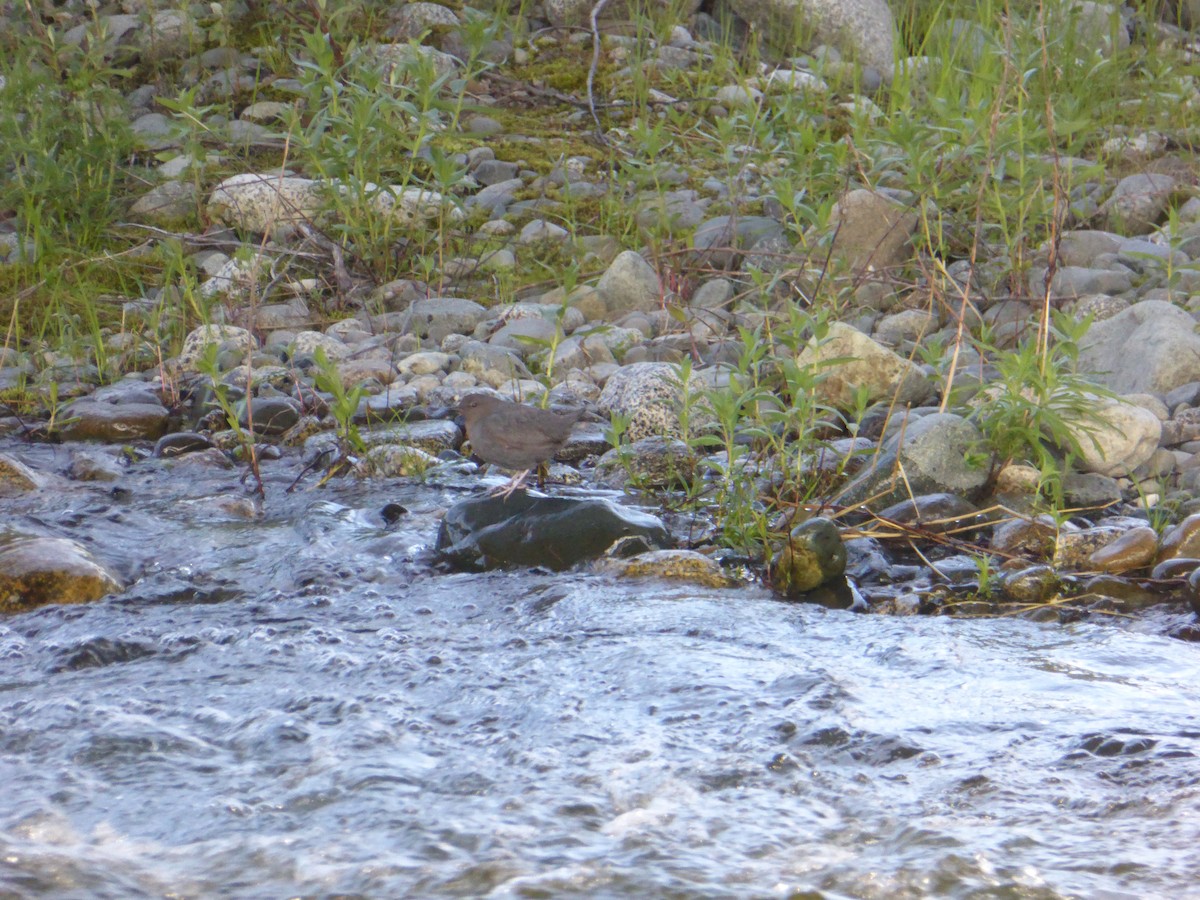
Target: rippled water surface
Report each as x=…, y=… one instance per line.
x=293, y=706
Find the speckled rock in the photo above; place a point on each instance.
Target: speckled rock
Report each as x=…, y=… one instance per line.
x=265, y=202
x=391, y=461
x=39, y=570
x=813, y=555
x=672, y=565
x=308, y=342
x=432, y=436
x=651, y=396
x=200, y=338
x=1073, y=549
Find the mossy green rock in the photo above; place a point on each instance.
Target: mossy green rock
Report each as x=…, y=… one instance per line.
x=813, y=555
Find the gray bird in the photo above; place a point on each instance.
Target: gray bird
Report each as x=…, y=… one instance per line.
x=514, y=436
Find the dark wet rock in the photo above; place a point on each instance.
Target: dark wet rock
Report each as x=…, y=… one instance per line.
x=1025, y=537
x=97, y=652
x=652, y=462
x=16, y=477
x=932, y=512
x=587, y=440
x=1125, y=595
x=932, y=453
x=671, y=565
x=529, y=530
x=91, y=420
x=812, y=555
x=39, y=570
x=180, y=443
x=1135, y=549
x=271, y=416
x=1152, y=348
x=849, y=360
x=1183, y=540
x=1033, y=584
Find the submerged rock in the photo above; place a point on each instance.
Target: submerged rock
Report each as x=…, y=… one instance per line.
x=531, y=530
x=35, y=571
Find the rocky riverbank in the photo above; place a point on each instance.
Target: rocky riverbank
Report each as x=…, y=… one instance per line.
x=983, y=434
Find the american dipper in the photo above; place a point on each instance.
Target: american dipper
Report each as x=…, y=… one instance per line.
x=514, y=436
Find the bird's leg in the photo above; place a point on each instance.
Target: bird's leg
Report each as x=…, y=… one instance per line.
x=506, y=490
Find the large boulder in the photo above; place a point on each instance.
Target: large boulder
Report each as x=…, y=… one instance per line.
x=862, y=30
x=1152, y=347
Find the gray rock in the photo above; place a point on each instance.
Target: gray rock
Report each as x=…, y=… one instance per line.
x=1076, y=281
x=927, y=457
x=1138, y=202
x=265, y=202
x=630, y=283
x=863, y=30
x=414, y=20
x=166, y=202
x=872, y=231
x=437, y=317
x=1121, y=438
x=719, y=242
x=526, y=530
x=491, y=365
x=496, y=197
x=1151, y=347
x=494, y=171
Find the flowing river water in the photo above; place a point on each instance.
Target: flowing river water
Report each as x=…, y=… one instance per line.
x=293, y=704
